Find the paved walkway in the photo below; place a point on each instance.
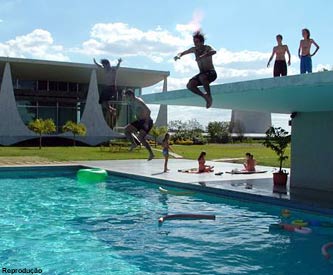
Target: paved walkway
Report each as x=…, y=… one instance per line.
x=26, y=161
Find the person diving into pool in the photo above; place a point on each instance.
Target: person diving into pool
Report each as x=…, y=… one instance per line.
x=109, y=92
x=142, y=125
x=203, y=56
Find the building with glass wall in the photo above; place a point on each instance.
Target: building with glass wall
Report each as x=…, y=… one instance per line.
x=66, y=91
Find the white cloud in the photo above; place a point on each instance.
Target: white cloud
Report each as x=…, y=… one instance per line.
x=37, y=44
x=120, y=39
x=1, y=20
x=224, y=56
x=321, y=67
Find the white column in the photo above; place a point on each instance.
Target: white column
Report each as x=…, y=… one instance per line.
x=252, y=122
x=312, y=151
x=162, y=117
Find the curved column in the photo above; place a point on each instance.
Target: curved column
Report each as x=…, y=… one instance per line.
x=251, y=122
x=97, y=129
x=12, y=128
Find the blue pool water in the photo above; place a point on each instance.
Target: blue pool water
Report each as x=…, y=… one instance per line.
x=50, y=221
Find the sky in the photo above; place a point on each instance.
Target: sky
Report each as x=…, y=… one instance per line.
x=148, y=34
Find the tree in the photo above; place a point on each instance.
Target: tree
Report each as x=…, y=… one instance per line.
x=278, y=139
x=156, y=132
x=77, y=129
x=41, y=127
x=190, y=130
x=176, y=125
x=219, y=131
x=194, y=125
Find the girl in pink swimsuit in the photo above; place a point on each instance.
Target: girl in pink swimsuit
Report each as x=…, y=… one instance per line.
x=202, y=167
x=250, y=163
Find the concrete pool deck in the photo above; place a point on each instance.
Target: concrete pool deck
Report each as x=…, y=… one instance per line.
x=254, y=187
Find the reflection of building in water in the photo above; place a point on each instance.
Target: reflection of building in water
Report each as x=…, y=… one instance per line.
x=65, y=91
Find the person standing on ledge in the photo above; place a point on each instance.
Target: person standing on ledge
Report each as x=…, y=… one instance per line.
x=109, y=92
x=203, y=56
x=280, y=65
x=138, y=129
x=304, y=51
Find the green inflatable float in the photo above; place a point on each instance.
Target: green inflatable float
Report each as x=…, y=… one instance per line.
x=92, y=175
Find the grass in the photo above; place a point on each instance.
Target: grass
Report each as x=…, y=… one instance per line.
x=263, y=155
x=72, y=153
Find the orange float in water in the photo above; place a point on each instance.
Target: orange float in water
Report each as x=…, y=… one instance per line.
x=324, y=249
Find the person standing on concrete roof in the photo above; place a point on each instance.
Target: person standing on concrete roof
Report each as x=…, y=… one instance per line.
x=280, y=65
x=304, y=52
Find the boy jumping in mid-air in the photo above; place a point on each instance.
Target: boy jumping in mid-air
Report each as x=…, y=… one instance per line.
x=142, y=125
x=203, y=56
x=109, y=92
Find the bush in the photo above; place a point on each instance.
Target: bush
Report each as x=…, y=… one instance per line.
x=219, y=132
x=199, y=140
x=184, y=142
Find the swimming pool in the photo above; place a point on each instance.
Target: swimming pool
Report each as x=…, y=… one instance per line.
x=51, y=222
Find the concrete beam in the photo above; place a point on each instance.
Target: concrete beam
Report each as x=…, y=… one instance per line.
x=297, y=93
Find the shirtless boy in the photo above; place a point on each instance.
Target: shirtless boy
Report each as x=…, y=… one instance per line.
x=304, y=51
x=143, y=123
x=203, y=56
x=280, y=65
x=109, y=93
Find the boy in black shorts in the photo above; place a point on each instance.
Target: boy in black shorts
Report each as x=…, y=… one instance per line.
x=280, y=65
x=203, y=56
x=138, y=129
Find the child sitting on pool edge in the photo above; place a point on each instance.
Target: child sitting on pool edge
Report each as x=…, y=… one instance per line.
x=202, y=167
x=250, y=163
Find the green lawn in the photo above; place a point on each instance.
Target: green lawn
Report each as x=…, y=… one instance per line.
x=73, y=153
x=263, y=155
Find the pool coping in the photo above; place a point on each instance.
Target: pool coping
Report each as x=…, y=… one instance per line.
x=249, y=197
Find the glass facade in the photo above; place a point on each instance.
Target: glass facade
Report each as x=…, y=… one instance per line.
x=64, y=101
x=59, y=113
x=59, y=101
x=119, y=115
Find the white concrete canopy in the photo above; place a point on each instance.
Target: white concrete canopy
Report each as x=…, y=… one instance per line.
x=298, y=93
x=31, y=69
